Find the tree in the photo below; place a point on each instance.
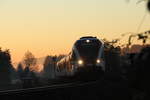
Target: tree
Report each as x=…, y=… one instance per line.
x=112, y=55
x=5, y=68
x=148, y=5
x=20, y=70
x=29, y=59
x=27, y=72
x=49, y=68
x=144, y=36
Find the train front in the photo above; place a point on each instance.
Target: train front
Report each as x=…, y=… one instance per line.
x=89, y=54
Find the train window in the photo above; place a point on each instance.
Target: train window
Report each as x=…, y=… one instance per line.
x=88, y=50
x=103, y=55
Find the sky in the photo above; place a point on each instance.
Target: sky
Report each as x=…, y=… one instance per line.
x=49, y=27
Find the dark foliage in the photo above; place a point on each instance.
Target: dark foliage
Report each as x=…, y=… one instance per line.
x=29, y=59
x=48, y=70
x=20, y=70
x=148, y=5
x=5, y=69
x=139, y=76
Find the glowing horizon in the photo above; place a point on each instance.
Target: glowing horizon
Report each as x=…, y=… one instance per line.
x=50, y=27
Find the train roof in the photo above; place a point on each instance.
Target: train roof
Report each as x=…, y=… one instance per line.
x=83, y=39
x=91, y=38
x=88, y=37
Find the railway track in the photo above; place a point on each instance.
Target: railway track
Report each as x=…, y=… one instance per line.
x=48, y=88
x=99, y=89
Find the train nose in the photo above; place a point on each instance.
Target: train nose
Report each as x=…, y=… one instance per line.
x=90, y=62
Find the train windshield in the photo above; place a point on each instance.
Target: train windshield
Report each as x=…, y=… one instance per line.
x=89, y=50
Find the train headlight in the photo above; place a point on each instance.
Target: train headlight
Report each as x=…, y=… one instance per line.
x=80, y=62
x=98, y=61
x=87, y=41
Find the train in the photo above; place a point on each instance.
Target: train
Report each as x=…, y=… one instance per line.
x=87, y=54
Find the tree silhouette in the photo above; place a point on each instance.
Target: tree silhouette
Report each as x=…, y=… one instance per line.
x=26, y=72
x=20, y=70
x=5, y=68
x=49, y=68
x=148, y=5
x=112, y=55
x=140, y=36
x=29, y=59
x=138, y=74
x=13, y=75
